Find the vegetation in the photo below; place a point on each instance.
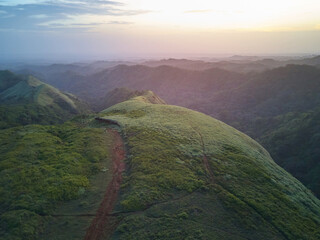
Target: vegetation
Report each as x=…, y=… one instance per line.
x=289, y=131
x=192, y=177
x=42, y=167
x=279, y=109
x=26, y=100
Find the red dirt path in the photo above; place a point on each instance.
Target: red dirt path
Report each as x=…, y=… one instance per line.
x=101, y=226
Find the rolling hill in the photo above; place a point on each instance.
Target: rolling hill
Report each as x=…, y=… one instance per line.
x=25, y=100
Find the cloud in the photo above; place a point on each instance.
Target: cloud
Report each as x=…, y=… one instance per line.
x=35, y=14
x=39, y=16
x=119, y=22
x=64, y=25
x=198, y=11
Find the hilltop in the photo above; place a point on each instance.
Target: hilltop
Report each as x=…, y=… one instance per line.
x=118, y=95
x=25, y=100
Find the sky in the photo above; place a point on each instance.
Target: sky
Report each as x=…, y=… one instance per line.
x=102, y=29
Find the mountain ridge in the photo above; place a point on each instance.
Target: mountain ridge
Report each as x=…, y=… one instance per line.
x=25, y=100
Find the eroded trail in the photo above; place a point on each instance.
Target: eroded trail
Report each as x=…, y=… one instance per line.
x=101, y=226
x=205, y=158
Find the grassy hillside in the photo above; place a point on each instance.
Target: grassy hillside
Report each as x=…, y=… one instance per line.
x=190, y=176
x=49, y=170
x=26, y=100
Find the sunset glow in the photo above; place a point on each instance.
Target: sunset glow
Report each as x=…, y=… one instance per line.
x=149, y=27
x=231, y=14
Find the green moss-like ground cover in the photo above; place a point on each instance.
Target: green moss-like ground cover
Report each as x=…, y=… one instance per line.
x=169, y=193
x=42, y=167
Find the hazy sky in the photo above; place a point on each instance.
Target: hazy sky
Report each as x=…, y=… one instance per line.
x=150, y=28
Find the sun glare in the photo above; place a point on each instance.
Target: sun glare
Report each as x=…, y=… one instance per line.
x=230, y=14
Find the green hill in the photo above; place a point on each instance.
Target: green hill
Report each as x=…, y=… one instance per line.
x=25, y=100
x=190, y=176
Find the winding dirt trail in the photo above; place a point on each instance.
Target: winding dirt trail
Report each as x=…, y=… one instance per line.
x=102, y=225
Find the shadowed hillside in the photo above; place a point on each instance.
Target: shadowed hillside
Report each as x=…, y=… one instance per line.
x=280, y=109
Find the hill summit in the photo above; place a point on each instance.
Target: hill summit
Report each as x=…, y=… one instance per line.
x=25, y=100
x=119, y=95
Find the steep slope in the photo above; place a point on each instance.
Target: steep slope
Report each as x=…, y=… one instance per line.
x=25, y=100
x=190, y=176
x=293, y=139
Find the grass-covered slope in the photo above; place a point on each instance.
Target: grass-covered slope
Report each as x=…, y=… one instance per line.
x=190, y=176
x=43, y=168
x=25, y=100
